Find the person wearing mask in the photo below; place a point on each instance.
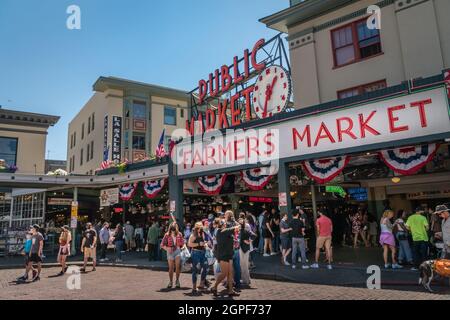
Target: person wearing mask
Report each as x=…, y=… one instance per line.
x=224, y=255
x=152, y=241
x=298, y=239
x=285, y=231
x=444, y=211
x=276, y=230
x=187, y=231
x=417, y=224
x=172, y=243
x=268, y=235
x=244, y=249
x=387, y=239
x=358, y=229
x=26, y=253
x=37, y=247
x=118, y=240
x=88, y=246
x=324, y=227
x=260, y=223
x=104, y=236
x=198, y=244
x=65, y=239
x=402, y=236
x=372, y=231
x=129, y=232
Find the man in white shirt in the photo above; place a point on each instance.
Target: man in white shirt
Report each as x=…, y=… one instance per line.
x=444, y=212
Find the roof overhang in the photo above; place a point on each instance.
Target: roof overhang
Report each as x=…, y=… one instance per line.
x=27, y=118
x=302, y=12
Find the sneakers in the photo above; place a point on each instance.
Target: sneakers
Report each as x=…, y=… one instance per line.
x=266, y=255
x=396, y=266
x=273, y=253
x=102, y=260
x=293, y=266
x=177, y=284
x=387, y=266
x=329, y=267
x=170, y=285
x=414, y=269
x=286, y=263
x=305, y=266
x=315, y=266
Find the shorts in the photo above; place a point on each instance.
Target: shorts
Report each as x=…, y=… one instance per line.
x=387, y=238
x=34, y=257
x=323, y=241
x=285, y=243
x=267, y=234
x=90, y=253
x=174, y=254
x=225, y=258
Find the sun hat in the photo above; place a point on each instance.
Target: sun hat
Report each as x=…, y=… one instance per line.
x=441, y=208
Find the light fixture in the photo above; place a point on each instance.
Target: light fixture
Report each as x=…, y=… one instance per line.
x=396, y=179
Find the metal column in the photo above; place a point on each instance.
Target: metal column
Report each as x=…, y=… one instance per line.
x=175, y=193
x=284, y=186
x=314, y=202
x=74, y=230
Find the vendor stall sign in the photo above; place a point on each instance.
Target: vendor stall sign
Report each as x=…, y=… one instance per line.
x=116, y=138
x=109, y=197
x=420, y=116
x=59, y=202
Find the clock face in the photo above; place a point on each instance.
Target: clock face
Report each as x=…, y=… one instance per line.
x=272, y=91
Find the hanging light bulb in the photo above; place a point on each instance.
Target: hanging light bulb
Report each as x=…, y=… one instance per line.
x=396, y=179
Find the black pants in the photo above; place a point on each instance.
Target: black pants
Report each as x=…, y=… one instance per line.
x=103, y=248
x=151, y=252
x=420, y=252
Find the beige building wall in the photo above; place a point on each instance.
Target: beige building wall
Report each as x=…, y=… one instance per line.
x=415, y=43
x=30, y=147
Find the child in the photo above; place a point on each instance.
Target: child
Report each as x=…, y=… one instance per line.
x=26, y=253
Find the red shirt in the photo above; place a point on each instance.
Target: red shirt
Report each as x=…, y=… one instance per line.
x=325, y=226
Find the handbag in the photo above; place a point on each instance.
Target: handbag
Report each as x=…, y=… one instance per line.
x=185, y=254
x=209, y=255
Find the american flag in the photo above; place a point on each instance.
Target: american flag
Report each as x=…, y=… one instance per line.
x=105, y=163
x=160, y=150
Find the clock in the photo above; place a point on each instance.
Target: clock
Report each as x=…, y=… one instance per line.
x=272, y=91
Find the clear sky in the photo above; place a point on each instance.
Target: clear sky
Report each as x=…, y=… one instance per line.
x=47, y=68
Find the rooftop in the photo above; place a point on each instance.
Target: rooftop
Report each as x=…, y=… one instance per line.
x=302, y=12
x=27, y=118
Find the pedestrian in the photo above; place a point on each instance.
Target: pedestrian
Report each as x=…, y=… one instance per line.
x=444, y=211
x=268, y=235
x=373, y=231
x=26, y=253
x=37, y=247
x=172, y=243
x=298, y=239
x=65, y=239
x=324, y=229
x=104, y=236
x=402, y=236
x=236, y=255
x=285, y=238
x=224, y=255
x=152, y=241
x=253, y=238
x=118, y=240
x=244, y=250
x=260, y=223
x=198, y=243
x=129, y=233
x=357, y=229
x=187, y=231
x=139, y=237
x=417, y=224
x=387, y=240
x=89, y=246
x=275, y=225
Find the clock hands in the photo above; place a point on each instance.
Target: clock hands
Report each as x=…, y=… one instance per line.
x=269, y=95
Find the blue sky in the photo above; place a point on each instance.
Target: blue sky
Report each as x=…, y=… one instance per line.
x=47, y=68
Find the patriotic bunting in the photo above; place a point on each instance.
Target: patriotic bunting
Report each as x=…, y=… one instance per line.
x=127, y=191
x=409, y=160
x=325, y=170
x=152, y=188
x=212, y=184
x=254, y=179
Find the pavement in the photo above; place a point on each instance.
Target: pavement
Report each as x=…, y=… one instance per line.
x=111, y=283
x=349, y=270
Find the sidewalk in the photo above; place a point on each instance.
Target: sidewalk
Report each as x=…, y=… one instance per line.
x=350, y=269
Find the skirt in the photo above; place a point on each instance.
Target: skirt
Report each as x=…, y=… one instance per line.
x=387, y=238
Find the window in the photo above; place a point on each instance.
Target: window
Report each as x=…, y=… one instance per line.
x=73, y=163
x=170, y=116
x=89, y=125
x=93, y=121
x=356, y=91
x=81, y=157
x=74, y=138
x=92, y=150
x=166, y=143
x=139, y=110
x=82, y=131
x=8, y=150
x=355, y=42
x=181, y=113
x=71, y=141
x=126, y=137
x=138, y=142
x=88, y=153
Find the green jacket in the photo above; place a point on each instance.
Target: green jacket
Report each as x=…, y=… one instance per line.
x=153, y=233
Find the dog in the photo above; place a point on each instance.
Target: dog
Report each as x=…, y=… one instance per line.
x=431, y=269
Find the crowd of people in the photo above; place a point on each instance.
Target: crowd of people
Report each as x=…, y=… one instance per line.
x=227, y=243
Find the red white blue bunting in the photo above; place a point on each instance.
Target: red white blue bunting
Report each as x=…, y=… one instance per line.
x=254, y=179
x=212, y=184
x=152, y=188
x=127, y=191
x=409, y=160
x=325, y=170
